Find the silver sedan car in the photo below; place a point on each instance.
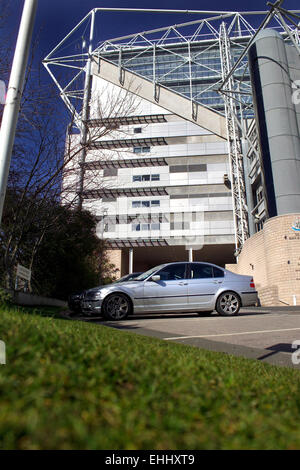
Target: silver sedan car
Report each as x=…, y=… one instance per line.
x=173, y=287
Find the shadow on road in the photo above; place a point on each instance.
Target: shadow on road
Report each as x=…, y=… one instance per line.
x=165, y=316
x=277, y=348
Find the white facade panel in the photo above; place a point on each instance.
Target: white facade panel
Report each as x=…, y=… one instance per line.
x=179, y=218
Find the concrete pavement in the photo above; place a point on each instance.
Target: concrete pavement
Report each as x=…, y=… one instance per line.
x=265, y=334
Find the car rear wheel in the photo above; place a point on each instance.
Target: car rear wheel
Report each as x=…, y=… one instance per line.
x=116, y=307
x=228, y=304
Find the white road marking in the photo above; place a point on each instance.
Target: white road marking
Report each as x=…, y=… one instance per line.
x=233, y=334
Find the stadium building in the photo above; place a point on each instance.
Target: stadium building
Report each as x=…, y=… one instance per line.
x=189, y=140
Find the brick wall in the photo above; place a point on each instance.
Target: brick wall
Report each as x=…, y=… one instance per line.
x=272, y=257
x=115, y=257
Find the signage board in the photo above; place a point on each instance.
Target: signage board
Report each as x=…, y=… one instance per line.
x=23, y=273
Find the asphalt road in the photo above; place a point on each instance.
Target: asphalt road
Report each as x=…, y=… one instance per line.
x=265, y=334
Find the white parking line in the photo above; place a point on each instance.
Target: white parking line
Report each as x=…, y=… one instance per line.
x=233, y=334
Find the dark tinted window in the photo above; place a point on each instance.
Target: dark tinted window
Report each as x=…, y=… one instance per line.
x=202, y=167
x=218, y=272
x=172, y=272
x=110, y=172
x=201, y=271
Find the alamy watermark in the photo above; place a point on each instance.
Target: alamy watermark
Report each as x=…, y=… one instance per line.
x=296, y=92
x=296, y=354
x=2, y=353
x=187, y=226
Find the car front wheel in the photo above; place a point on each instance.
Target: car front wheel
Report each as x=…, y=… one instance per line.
x=228, y=304
x=116, y=307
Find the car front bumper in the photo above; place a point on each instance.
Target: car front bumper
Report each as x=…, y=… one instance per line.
x=91, y=306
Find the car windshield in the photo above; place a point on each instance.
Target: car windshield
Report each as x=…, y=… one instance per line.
x=148, y=273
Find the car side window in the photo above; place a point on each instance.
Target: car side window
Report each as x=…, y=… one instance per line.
x=172, y=272
x=218, y=272
x=201, y=271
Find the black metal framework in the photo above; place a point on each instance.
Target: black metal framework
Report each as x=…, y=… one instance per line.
x=128, y=163
x=126, y=120
x=127, y=143
x=125, y=192
x=136, y=243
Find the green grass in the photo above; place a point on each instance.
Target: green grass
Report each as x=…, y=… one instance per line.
x=74, y=385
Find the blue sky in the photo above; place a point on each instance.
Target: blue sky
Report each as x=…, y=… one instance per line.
x=55, y=18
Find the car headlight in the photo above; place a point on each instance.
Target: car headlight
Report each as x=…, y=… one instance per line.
x=94, y=295
x=98, y=295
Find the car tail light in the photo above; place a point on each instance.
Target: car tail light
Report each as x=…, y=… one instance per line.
x=252, y=283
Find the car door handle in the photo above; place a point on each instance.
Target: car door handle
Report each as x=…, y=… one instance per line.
x=182, y=283
x=217, y=282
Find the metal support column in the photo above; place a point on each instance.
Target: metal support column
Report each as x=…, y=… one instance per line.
x=234, y=143
x=130, y=260
x=85, y=110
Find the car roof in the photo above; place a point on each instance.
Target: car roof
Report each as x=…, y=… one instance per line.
x=190, y=262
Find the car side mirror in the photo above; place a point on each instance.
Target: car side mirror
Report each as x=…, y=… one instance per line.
x=155, y=278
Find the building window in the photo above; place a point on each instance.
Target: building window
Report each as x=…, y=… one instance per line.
x=137, y=130
x=140, y=178
x=141, y=149
x=154, y=203
x=139, y=227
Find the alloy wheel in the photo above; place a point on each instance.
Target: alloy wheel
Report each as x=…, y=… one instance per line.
x=116, y=307
x=228, y=304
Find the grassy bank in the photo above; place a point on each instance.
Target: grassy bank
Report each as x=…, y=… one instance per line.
x=74, y=385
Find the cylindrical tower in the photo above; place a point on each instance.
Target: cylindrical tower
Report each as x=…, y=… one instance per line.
x=276, y=117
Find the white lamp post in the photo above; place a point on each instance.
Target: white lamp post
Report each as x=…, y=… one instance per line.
x=14, y=93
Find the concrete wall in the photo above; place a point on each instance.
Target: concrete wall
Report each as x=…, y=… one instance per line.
x=272, y=257
x=22, y=298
